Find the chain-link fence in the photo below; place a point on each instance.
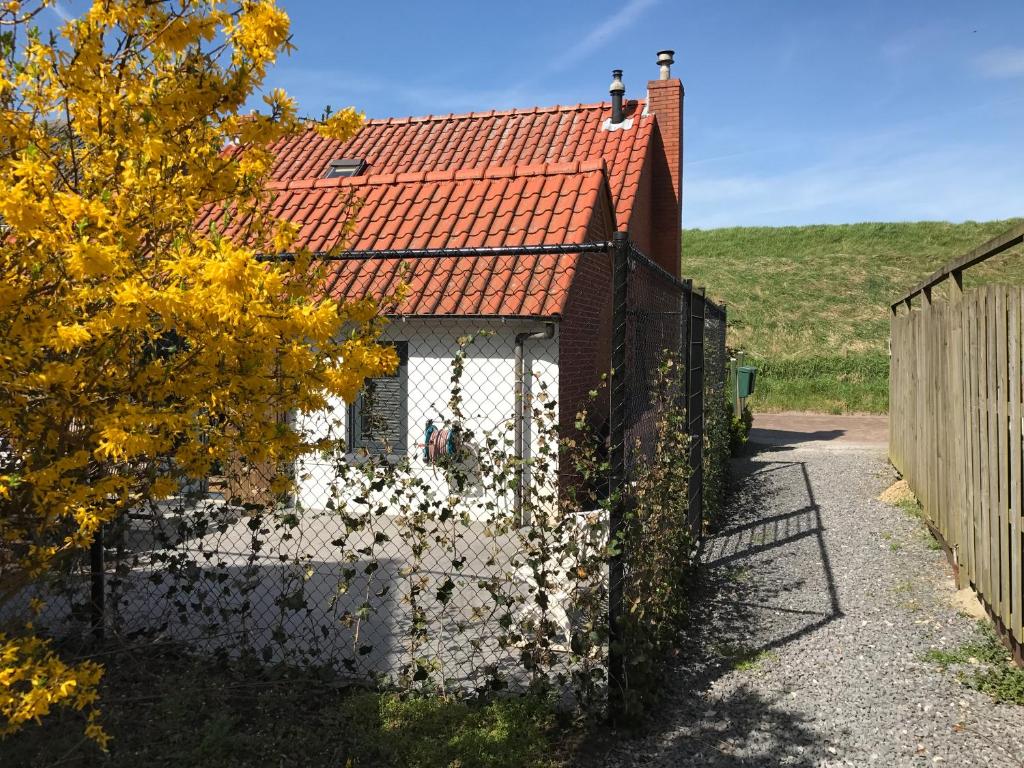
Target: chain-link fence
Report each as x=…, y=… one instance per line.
x=495, y=513
x=717, y=412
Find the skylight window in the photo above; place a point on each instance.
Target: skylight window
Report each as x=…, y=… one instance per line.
x=344, y=166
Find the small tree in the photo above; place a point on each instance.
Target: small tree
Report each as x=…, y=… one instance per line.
x=135, y=348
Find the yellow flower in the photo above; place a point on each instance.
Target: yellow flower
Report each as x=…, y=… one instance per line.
x=134, y=340
x=67, y=337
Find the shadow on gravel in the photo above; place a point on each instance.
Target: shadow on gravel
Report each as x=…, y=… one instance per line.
x=765, y=581
x=784, y=437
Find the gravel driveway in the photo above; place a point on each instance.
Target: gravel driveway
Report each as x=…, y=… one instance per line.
x=811, y=615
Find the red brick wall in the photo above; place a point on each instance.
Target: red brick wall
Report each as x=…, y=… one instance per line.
x=640, y=221
x=665, y=161
x=585, y=331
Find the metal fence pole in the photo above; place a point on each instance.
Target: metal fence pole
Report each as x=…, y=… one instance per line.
x=695, y=408
x=97, y=568
x=616, y=471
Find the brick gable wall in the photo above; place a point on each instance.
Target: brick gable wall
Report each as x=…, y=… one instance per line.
x=665, y=161
x=585, y=330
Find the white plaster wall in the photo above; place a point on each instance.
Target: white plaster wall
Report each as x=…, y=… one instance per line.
x=488, y=395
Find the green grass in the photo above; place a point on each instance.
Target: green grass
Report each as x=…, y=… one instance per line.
x=912, y=509
x=741, y=657
x=427, y=732
x=167, y=709
x=811, y=304
x=894, y=545
x=984, y=664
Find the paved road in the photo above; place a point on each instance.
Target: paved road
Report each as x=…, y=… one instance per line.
x=811, y=617
x=820, y=429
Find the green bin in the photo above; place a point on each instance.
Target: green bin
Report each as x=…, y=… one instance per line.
x=746, y=376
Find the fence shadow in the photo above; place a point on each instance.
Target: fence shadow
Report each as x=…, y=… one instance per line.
x=775, y=437
x=745, y=603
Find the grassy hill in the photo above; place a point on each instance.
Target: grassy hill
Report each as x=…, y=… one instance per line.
x=810, y=304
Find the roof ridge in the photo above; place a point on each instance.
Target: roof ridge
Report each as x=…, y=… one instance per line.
x=479, y=173
x=487, y=113
x=313, y=122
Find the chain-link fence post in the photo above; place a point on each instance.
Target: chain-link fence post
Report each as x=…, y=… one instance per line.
x=695, y=408
x=98, y=587
x=616, y=470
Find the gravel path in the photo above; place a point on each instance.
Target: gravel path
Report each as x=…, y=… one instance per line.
x=812, y=613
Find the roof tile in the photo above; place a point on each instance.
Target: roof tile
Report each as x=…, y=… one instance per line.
x=528, y=176
x=551, y=204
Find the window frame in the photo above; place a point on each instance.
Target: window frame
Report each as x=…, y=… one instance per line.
x=358, y=442
x=344, y=167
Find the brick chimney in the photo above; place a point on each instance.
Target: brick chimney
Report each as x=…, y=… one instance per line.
x=665, y=102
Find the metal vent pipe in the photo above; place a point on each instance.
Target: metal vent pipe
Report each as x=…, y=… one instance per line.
x=665, y=62
x=617, y=90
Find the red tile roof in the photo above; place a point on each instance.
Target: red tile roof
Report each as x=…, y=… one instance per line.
x=532, y=136
x=529, y=176
x=483, y=207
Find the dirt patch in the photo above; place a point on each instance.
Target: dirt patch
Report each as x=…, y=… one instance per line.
x=965, y=601
x=897, y=493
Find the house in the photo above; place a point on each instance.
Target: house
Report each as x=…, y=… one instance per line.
x=523, y=177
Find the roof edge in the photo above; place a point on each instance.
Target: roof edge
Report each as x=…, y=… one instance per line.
x=604, y=105
x=500, y=113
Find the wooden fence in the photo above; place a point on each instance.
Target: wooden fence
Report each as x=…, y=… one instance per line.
x=955, y=425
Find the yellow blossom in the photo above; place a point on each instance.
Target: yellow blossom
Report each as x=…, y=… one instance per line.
x=133, y=340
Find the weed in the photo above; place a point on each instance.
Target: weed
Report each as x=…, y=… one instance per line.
x=984, y=664
x=425, y=732
x=903, y=587
x=173, y=709
x=741, y=575
x=911, y=508
x=894, y=544
x=753, y=662
x=741, y=657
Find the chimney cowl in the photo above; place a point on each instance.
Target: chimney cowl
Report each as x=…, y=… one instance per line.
x=617, y=84
x=617, y=89
x=665, y=62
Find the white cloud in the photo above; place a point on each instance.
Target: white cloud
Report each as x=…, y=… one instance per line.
x=1001, y=62
x=59, y=10
x=602, y=33
x=953, y=183
x=314, y=88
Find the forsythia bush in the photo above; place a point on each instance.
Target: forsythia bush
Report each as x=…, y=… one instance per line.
x=136, y=350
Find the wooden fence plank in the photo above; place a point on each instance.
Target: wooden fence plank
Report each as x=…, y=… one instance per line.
x=956, y=434
x=957, y=430
x=978, y=504
x=992, y=475
x=971, y=443
x=985, y=458
x=961, y=497
x=1016, y=543
x=1002, y=432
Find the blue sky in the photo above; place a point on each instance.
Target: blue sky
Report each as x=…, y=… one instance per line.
x=797, y=111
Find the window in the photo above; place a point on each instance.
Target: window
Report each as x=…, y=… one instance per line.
x=379, y=418
x=344, y=166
